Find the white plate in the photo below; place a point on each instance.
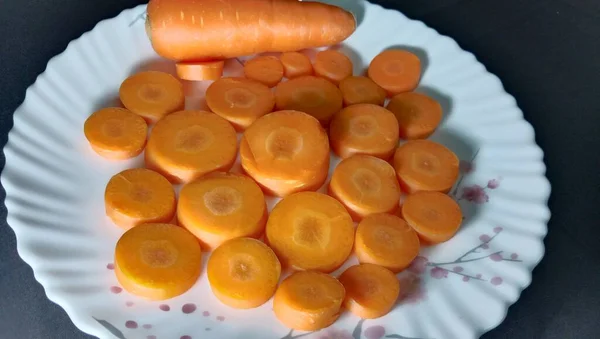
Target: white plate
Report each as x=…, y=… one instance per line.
x=54, y=194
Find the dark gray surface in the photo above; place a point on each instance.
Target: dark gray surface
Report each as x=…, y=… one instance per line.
x=547, y=54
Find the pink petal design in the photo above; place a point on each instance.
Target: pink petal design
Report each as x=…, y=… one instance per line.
x=412, y=289
x=438, y=273
x=465, y=278
x=374, y=332
x=206, y=314
x=147, y=326
x=116, y=289
x=131, y=324
x=188, y=308
x=514, y=256
x=332, y=333
x=484, y=238
x=164, y=307
x=485, y=246
x=475, y=194
x=457, y=269
x=496, y=257
x=110, y=266
x=151, y=337
x=221, y=318
x=129, y=303
x=493, y=184
x=498, y=229
x=185, y=337
x=466, y=166
x=419, y=265
x=496, y=281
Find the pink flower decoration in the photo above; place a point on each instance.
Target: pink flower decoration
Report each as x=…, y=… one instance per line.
x=484, y=238
x=466, y=166
x=485, y=246
x=493, y=184
x=412, y=289
x=496, y=281
x=465, y=279
x=374, y=332
x=419, y=265
x=496, y=257
x=333, y=333
x=131, y=324
x=116, y=289
x=475, y=194
x=457, y=269
x=498, y=229
x=514, y=256
x=206, y=314
x=478, y=276
x=110, y=266
x=438, y=273
x=164, y=307
x=129, y=303
x=220, y=318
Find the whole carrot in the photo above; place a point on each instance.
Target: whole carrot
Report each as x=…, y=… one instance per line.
x=219, y=29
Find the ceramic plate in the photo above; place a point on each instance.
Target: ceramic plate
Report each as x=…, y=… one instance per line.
x=54, y=195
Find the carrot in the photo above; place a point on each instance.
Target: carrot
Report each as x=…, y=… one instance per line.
x=116, y=133
x=265, y=69
x=371, y=290
x=188, y=144
x=364, y=129
x=332, y=65
x=199, y=71
x=424, y=165
x=286, y=152
x=310, y=231
x=157, y=261
x=240, y=101
x=315, y=96
x=152, y=95
x=434, y=216
x=386, y=240
x=308, y=301
x=222, y=206
x=396, y=71
x=243, y=273
x=418, y=115
x=137, y=196
x=365, y=185
x=221, y=29
x=361, y=90
x=295, y=64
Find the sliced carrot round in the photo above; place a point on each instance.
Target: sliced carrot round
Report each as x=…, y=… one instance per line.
x=222, y=206
x=152, y=95
x=308, y=301
x=371, y=290
x=364, y=129
x=310, y=231
x=265, y=69
x=157, y=261
x=295, y=64
x=116, y=133
x=365, y=185
x=188, y=144
x=315, y=96
x=433, y=215
x=396, y=71
x=418, y=115
x=240, y=101
x=424, y=165
x=201, y=70
x=137, y=196
x=332, y=65
x=243, y=273
x=361, y=90
x=386, y=240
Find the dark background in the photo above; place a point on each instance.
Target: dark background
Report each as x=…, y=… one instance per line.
x=547, y=53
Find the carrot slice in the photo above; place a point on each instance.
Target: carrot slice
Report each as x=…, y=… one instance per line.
x=418, y=115
x=157, y=261
x=188, y=144
x=361, y=90
x=240, y=101
x=137, y=196
x=200, y=70
x=308, y=301
x=315, y=96
x=152, y=95
x=386, y=240
x=222, y=206
x=243, y=273
x=435, y=216
x=310, y=231
x=295, y=64
x=364, y=129
x=371, y=290
x=396, y=71
x=286, y=152
x=333, y=65
x=365, y=185
x=424, y=165
x=116, y=133
x=266, y=69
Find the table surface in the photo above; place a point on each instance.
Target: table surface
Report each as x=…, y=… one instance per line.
x=547, y=54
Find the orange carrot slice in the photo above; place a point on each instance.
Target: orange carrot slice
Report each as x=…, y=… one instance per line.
x=361, y=90
x=222, y=206
x=188, y=144
x=137, y=196
x=424, y=165
x=396, y=71
x=310, y=231
x=435, y=216
x=116, y=133
x=386, y=240
x=418, y=115
x=200, y=70
x=243, y=273
x=152, y=95
x=240, y=101
x=364, y=129
x=157, y=261
x=295, y=64
x=315, y=96
x=332, y=65
x=308, y=301
x=371, y=290
x=265, y=69
x=365, y=185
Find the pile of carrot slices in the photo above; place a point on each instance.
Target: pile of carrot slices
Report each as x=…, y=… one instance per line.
x=285, y=117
